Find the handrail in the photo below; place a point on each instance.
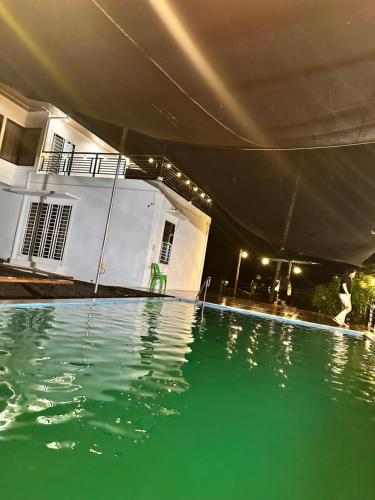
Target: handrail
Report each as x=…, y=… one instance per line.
x=142, y=167
x=205, y=285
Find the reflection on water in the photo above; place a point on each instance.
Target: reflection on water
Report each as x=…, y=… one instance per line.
x=89, y=377
x=106, y=368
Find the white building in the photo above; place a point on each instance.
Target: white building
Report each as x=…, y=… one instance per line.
x=56, y=179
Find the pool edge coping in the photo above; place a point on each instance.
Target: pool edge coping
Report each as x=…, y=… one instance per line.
x=211, y=305
x=280, y=319
x=78, y=302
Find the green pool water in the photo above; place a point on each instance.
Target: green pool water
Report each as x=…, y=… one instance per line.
x=153, y=400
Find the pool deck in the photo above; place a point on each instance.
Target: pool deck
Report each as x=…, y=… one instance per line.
x=270, y=311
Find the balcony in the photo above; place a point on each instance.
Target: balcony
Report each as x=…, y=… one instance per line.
x=136, y=167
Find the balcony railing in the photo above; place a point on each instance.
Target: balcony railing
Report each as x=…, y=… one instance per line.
x=136, y=167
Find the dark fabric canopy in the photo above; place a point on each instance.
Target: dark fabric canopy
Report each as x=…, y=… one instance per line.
x=243, y=73
x=334, y=212
x=240, y=74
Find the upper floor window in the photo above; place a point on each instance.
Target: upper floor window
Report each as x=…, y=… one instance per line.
x=167, y=242
x=19, y=144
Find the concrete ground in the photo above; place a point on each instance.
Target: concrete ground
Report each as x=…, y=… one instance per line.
x=287, y=312
x=46, y=291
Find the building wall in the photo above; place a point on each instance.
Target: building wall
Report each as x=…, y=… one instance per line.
x=68, y=129
x=10, y=206
x=14, y=175
x=135, y=235
x=12, y=111
x=185, y=268
x=139, y=214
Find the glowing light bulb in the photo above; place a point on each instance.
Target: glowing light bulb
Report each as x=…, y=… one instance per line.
x=151, y=160
x=244, y=254
x=195, y=189
x=178, y=174
x=265, y=261
x=202, y=195
x=297, y=270
x=187, y=182
x=168, y=165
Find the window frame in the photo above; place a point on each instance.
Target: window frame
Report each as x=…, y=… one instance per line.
x=20, y=144
x=163, y=244
x=46, y=232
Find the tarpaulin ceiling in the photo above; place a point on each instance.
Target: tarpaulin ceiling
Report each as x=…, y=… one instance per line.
x=334, y=210
x=239, y=74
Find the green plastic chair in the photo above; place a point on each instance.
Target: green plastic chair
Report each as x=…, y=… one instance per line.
x=157, y=276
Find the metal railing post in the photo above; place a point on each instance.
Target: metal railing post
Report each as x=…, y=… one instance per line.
x=159, y=168
x=110, y=208
x=205, y=285
x=94, y=162
x=70, y=162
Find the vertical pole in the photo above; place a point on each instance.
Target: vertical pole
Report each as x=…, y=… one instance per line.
x=288, y=223
x=237, y=273
x=110, y=208
x=70, y=162
x=159, y=167
x=290, y=263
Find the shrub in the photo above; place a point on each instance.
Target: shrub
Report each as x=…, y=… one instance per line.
x=326, y=301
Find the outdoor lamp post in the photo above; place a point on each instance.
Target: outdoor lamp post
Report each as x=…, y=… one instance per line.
x=242, y=255
x=224, y=283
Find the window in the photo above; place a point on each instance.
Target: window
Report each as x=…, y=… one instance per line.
x=19, y=144
x=57, y=144
x=167, y=242
x=11, y=142
x=57, y=162
x=29, y=146
x=46, y=230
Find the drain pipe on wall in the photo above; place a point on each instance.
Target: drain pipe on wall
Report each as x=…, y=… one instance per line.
x=110, y=208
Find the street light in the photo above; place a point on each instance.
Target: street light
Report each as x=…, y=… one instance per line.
x=224, y=283
x=242, y=255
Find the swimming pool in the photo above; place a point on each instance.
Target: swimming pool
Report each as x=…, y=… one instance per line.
x=154, y=400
